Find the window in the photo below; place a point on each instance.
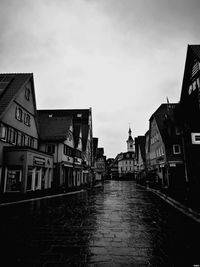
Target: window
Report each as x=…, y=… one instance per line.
x=67, y=150
x=3, y=132
x=27, y=93
x=32, y=142
x=23, y=140
x=50, y=148
x=177, y=131
x=18, y=114
x=79, y=115
x=195, y=84
x=30, y=178
x=195, y=68
x=18, y=139
x=176, y=149
x=12, y=136
x=13, y=181
x=27, y=119
x=26, y=140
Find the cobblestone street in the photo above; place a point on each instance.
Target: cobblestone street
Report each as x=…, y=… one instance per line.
x=118, y=224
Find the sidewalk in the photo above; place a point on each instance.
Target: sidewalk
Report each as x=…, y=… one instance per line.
x=13, y=198
x=188, y=211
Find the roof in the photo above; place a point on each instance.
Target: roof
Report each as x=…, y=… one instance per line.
x=193, y=52
x=85, y=132
x=100, y=152
x=95, y=145
x=78, y=115
x=10, y=86
x=162, y=114
x=76, y=134
x=195, y=49
x=130, y=139
x=141, y=140
x=53, y=128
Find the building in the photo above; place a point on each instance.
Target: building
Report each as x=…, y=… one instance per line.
x=100, y=164
x=23, y=167
x=165, y=148
x=67, y=134
x=126, y=161
x=188, y=113
x=140, y=157
x=113, y=169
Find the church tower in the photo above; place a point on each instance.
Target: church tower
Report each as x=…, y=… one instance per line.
x=130, y=142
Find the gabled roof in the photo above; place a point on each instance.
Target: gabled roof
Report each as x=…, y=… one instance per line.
x=78, y=115
x=95, y=145
x=164, y=113
x=193, y=52
x=10, y=86
x=76, y=134
x=140, y=144
x=53, y=128
x=100, y=152
x=85, y=131
x=80, y=118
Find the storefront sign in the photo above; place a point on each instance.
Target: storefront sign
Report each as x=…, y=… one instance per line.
x=172, y=165
x=39, y=161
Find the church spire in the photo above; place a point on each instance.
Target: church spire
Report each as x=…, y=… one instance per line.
x=130, y=141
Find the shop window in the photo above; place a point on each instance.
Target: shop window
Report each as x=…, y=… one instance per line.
x=38, y=179
x=3, y=132
x=29, y=179
x=18, y=114
x=13, y=181
x=27, y=119
x=176, y=149
x=50, y=148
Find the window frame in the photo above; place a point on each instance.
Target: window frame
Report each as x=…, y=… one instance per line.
x=19, y=113
x=174, y=149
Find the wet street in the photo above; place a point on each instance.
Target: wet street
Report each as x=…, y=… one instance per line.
x=118, y=224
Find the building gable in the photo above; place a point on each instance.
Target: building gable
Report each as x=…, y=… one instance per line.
x=191, y=77
x=20, y=112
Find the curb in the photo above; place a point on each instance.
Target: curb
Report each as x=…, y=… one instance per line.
x=39, y=198
x=174, y=203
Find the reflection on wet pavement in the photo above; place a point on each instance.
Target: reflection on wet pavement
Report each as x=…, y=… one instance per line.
x=118, y=224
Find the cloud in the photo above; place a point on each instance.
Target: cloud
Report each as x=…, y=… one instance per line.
x=122, y=58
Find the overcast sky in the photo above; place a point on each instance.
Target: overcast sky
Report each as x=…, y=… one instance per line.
x=120, y=57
